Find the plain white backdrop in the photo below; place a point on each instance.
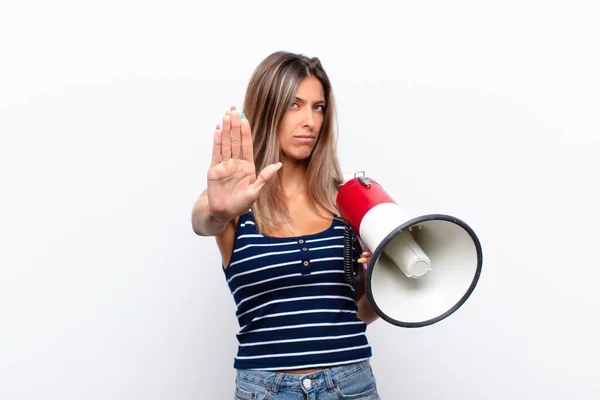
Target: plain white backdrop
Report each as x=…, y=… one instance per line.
x=487, y=111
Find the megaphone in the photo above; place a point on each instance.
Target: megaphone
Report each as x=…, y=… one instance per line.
x=422, y=269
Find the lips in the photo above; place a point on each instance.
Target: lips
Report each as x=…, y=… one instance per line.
x=304, y=137
x=304, y=140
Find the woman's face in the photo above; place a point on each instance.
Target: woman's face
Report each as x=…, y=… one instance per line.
x=299, y=129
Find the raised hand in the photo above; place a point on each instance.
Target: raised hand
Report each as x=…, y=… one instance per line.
x=232, y=182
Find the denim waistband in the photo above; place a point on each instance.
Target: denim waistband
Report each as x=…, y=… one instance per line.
x=322, y=378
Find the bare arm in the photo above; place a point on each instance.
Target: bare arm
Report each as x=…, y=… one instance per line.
x=203, y=222
x=365, y=310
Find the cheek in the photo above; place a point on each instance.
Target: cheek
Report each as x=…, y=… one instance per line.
x=320, y=119
x=284, y=128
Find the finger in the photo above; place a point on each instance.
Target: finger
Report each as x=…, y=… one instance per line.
x=225, y=138
x=247, y=149
x=236, y=138
x=216, y=153
x=265, y=175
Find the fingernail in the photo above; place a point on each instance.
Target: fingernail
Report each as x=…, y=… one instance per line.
x=232, y=108
x=242, y=115
x=365, y=253
x=361, y=260
x=227, y=112
x=218, y=127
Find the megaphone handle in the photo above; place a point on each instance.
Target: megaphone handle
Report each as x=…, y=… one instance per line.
x=361, y=243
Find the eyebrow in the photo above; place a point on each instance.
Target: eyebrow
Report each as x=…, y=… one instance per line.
x=304, y=101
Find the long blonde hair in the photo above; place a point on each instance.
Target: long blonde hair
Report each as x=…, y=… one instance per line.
x=272, y=88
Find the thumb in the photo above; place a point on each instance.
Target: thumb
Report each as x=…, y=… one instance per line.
x=265, y=175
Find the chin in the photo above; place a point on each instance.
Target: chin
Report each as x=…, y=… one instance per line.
x=302, y=156
x=298, y=160
x=299, y=156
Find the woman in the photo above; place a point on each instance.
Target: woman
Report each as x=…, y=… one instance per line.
x=302, y=327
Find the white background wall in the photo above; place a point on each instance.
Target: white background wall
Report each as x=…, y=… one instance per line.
x=487, y=111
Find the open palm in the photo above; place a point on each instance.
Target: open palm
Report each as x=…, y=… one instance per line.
x=232, y=182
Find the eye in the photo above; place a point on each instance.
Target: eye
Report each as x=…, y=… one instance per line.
x=294, y=105
x=320, y=107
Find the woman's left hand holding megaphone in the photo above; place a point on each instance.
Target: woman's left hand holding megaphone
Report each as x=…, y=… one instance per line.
x=365, y=258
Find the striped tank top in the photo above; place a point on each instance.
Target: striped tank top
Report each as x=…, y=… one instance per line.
x=294, y=307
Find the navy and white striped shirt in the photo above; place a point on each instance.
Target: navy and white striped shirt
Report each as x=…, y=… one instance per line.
x=294, y=308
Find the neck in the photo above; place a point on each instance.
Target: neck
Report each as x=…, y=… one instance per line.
x=293, y=177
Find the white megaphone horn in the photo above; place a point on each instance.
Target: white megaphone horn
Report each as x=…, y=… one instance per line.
x=422, y=269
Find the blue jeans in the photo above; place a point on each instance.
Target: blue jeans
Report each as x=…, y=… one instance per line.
x=352, y=381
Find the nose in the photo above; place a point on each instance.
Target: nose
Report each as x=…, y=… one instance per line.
x=308, y=119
